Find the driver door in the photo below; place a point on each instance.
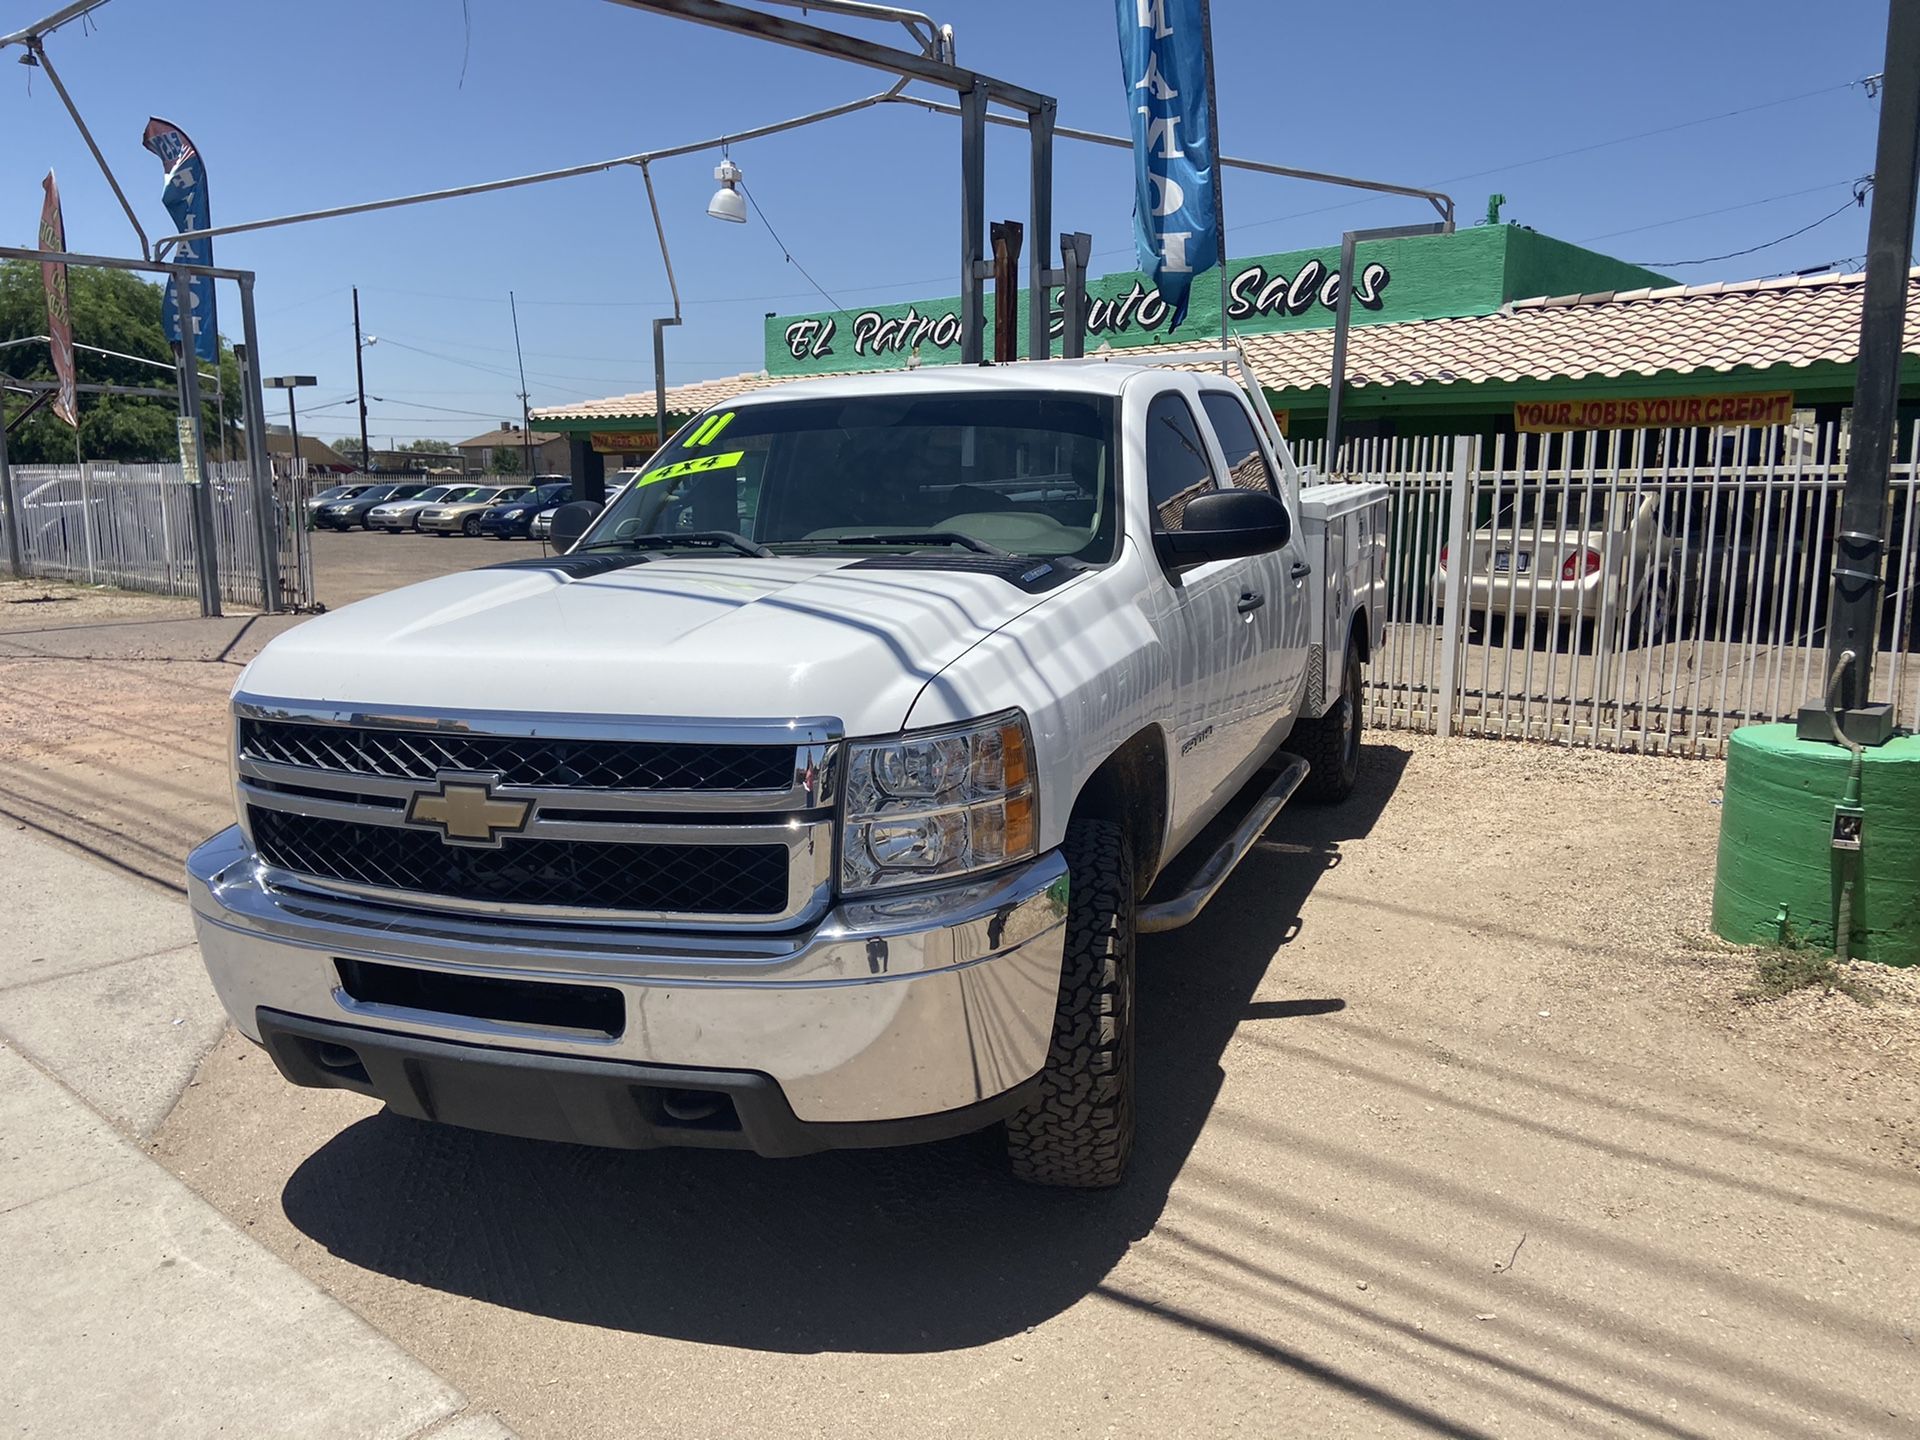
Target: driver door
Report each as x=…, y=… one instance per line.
x=1208, y=625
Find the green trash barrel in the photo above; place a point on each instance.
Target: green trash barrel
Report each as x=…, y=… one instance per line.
x=1779, y=877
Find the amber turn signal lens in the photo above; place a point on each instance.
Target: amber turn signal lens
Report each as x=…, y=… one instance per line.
x=1019, y=810
x=1013, y=757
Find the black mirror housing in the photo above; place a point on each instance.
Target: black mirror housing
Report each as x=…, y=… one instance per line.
x=570, y=522
x=1223, y=525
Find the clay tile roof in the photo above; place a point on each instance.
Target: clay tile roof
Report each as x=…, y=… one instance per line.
x=1759, y=324
x=681, y=399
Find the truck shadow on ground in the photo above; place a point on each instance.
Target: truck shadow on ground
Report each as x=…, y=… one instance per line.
x=922, y=1249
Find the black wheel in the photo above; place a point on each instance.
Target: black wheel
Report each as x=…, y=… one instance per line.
x=1331, y=742
x=470, y=527
x=1079, y=1129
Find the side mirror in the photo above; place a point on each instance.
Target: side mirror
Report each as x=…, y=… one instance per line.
x=1224, y=525
x=570, y=522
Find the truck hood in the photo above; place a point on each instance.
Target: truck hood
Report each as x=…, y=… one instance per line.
x=707, y=637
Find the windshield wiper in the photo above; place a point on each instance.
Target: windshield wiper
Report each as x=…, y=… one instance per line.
x=718, y=539
x=919, y=537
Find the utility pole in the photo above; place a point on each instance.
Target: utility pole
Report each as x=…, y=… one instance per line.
x=360, y=381
x=526, y=431
x=1860, y=538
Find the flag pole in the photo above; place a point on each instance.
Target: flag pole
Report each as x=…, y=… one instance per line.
x=1213, y=142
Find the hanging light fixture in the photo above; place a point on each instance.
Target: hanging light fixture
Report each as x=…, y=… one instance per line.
x=727, y=202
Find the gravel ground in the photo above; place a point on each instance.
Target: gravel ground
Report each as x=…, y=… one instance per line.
x=1453, y=1122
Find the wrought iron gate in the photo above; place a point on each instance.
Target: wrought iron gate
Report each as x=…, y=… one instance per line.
x=1635, y=590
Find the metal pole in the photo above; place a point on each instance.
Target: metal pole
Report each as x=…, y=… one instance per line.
x=1343, y=311
x=1453, y=622
x=1006, y=235
x=1076, y=252
x=1337, y=382
x=1860, y=539
x=266, y=501
x=360, y=383
x=37, y=55
x=526, y=418
x=1040, y=204
x=205, y=541
x=973, y=216
x=660, y=322
x=660, y=378
x=1213, y=147
x=10, y=502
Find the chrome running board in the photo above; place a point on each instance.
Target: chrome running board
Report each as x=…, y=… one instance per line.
x=1178, y=910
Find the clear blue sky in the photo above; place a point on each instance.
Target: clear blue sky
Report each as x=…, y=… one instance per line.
x=301, y=106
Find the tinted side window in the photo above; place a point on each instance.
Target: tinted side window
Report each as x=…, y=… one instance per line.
x=1246, y=461
x=1177, y=464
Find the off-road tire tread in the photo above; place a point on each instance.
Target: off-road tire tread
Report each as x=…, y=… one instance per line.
x=1079, y=1129
x=1321, y=744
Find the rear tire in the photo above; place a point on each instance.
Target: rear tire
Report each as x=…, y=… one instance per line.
x=1078, y=1131
x=1330, y=744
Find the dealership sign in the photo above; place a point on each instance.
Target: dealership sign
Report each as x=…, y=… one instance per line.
x=1547, y=417
x=1298, y=290
x=625, y=442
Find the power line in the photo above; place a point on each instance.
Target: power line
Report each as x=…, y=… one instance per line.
x=783, y=247
x=1722, y=210
x=1859, y=199
x=1557, y=155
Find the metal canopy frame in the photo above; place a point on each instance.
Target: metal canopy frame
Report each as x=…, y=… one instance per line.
x=1343, y=315
x=1439, y=199
x=974, y=90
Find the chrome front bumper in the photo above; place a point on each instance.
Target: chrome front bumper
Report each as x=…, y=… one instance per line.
x=883, y=1010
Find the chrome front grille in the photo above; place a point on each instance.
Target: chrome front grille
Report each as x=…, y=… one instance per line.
x=670, y=822
x=520, y=760
x=573, y=874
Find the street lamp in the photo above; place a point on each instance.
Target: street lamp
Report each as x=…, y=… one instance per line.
x=727, y=202
x=290, y=383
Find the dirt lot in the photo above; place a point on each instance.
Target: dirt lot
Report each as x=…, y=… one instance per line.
x=1451, y=1124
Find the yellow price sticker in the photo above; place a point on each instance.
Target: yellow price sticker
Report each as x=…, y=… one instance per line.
x=693, y=467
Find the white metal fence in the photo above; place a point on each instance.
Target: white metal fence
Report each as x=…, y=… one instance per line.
x=1630, y=590
x=132, y=526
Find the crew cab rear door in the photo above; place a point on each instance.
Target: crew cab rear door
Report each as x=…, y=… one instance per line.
x=1282, y=623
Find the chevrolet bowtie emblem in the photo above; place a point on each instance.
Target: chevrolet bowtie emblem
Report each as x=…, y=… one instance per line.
x=465, y=810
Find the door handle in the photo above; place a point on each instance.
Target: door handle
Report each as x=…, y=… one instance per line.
x=1250, y=601
x=1301, y=569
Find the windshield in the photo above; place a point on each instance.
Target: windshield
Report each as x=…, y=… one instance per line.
x=436, y=492
x=1028, y=473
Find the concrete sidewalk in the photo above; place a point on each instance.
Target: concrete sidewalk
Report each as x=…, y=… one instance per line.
x=129, y=1305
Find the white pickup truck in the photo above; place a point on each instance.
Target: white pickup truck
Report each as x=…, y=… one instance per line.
x=814, y=797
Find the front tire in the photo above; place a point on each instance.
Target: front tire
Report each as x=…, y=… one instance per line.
x=470, y=527
x=1078, y=1131
x=1330, y=744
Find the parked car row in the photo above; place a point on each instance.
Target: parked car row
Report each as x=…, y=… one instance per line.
x=503, y=510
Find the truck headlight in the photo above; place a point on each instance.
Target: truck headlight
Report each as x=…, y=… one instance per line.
x=935, y=804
